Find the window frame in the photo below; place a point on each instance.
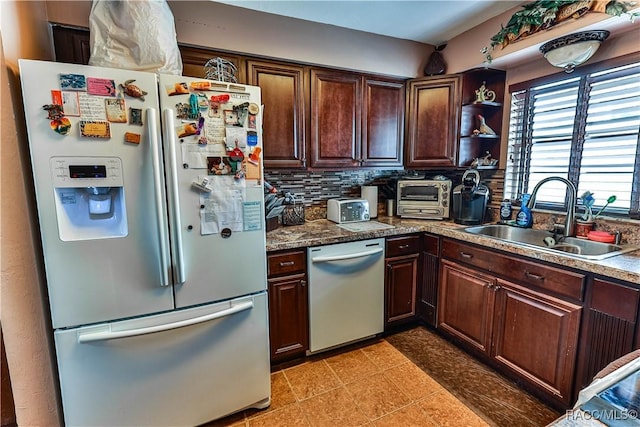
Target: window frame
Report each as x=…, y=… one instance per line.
x=524, y=129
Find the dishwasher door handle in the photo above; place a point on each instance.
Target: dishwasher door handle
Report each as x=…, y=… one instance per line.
x=346, y=256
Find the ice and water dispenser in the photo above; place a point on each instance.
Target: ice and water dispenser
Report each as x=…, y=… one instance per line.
x=89, y=197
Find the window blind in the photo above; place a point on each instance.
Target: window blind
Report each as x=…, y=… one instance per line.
x=585, y=129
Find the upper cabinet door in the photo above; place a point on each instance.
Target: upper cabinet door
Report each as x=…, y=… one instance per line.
x=383, y=130
x=71, y=45
x=283, y=90
x=433, y=117
x=194, y=60
x=336, y=105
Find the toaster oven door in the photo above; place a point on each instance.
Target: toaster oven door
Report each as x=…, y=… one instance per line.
x=423, y=193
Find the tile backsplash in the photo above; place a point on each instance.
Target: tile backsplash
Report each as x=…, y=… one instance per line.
x=315, y=187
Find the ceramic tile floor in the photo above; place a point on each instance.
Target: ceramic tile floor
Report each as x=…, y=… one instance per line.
x=412, y=378
x=374, y=385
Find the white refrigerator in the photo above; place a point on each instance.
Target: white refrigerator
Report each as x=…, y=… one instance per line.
x=150, y=204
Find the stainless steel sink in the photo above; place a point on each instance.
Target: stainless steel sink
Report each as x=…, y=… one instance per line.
x=544, y=240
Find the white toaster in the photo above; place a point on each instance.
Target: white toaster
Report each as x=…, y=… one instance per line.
x=344, y=210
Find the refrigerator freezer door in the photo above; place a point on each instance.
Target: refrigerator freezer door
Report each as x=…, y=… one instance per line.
x=182, y=368
x=208, y=267
x=97, y=280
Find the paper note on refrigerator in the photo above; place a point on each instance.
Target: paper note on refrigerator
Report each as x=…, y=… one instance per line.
x=223, y=206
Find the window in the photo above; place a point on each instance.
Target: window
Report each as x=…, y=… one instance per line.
x=583, y=128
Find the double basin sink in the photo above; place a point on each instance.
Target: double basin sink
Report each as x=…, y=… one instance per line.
x=545, y=240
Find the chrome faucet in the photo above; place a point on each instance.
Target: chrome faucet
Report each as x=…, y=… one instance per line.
x=571, y=209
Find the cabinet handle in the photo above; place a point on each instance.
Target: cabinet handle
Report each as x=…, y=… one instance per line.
x=303, y=282
x=496, y=288
x=533, y=276
x=490, y=285
x=403, y=246
x=287, y=263
x=466, y=255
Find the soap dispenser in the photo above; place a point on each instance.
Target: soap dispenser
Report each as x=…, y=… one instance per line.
x=524, y=217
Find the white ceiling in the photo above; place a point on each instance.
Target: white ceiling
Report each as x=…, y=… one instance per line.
x=427, y=21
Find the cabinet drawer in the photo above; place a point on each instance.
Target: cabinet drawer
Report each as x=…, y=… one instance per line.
x=404, y=245
x=562, y=282
x=286, y=263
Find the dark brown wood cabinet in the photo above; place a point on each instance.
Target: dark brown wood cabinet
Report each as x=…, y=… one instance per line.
x=465, y=305
x=383, y=123
x=288, y=304
x=610, y=324
x=336, y=121
x=356, y=120
x=428, y=279
x=535, y=336
x=433, y=117
x=442, y=114
x=401, y=278
x=285, y=89
x=71, y=45
x=523, y=316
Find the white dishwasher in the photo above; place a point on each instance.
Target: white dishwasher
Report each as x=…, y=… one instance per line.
x=346, y=293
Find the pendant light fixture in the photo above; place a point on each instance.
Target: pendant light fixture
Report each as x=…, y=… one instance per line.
x=573, y=49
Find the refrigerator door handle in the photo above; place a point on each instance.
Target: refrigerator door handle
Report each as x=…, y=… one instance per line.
x=110, y=335
x=174, y=204
x=157, y=178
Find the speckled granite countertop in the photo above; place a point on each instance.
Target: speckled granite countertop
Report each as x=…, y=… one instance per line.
x=323, y=232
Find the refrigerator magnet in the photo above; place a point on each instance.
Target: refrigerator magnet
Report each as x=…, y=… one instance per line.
x=177, y=89
x=242, y=111
x=132, y=90
x=54, y=111
x=135, y=116
x=187, y=129
x=253, y=108
x=101, y=87
x=75, y=82
x=61, y=126
x=95, y=129
x=219, y=166
x=201, y=85
x=115, y=108
x=132, y=138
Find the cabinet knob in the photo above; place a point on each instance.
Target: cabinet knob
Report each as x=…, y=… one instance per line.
x=303, y=282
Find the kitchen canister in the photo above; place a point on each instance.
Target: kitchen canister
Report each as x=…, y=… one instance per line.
x=370, y=194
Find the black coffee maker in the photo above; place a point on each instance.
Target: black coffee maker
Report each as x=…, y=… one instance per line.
x=470, y=199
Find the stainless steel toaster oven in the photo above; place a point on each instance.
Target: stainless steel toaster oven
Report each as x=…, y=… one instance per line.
x=423, y=198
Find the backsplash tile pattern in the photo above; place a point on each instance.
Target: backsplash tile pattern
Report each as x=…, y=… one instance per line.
x=315, y=187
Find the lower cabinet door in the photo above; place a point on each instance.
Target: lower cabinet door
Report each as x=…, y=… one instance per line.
x=288, y=317
x=465, y=305
x=536, y=337
x=400, y=282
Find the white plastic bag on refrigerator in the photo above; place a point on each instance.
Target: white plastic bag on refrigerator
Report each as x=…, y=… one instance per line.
x=134, y=35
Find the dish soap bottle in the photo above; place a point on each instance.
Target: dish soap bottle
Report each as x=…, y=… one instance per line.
x=524, y=217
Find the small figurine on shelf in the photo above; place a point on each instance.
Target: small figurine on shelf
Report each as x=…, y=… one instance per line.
x=484, y=128
x=484, y=95
x=486, y=162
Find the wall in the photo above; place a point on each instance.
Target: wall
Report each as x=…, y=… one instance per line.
x=237, y=29
x=25, y=320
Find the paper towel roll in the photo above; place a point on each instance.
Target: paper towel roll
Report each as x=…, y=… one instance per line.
x=370, y=194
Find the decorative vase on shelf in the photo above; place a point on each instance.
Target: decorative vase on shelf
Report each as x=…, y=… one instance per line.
x=435, y=64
